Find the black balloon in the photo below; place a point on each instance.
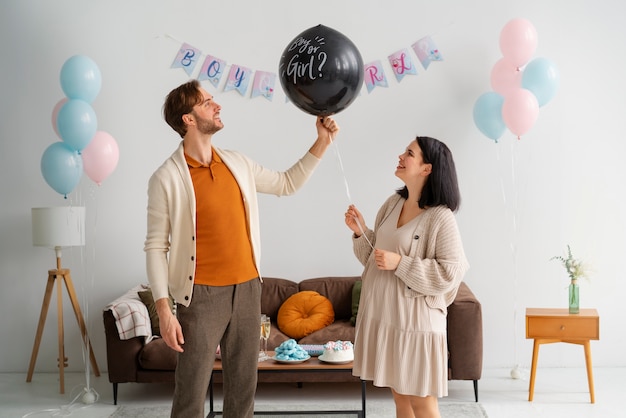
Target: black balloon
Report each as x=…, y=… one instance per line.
x=321, y=71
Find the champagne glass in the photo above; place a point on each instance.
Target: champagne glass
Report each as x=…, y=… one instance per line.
x=262, y=354
x=265, y=334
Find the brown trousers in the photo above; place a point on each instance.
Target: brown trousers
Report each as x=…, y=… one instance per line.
x=228, y=316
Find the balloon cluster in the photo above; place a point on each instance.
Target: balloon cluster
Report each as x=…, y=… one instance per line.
x=83, y=147
x=321, y=71
x=519, y=87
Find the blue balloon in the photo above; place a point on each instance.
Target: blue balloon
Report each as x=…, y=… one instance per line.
x=541, y=77
x=61, y=167
x=488, y=115
x=77, y=124
x=81, y=78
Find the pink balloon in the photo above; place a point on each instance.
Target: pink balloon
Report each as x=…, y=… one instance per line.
x=519, y=111
x=518, y=41
x=505, y=77
x=100, y=157
x=55, y=114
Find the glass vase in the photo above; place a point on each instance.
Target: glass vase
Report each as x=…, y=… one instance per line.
x=574, y=301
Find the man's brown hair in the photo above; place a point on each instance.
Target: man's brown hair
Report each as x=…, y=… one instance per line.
x=179, y=102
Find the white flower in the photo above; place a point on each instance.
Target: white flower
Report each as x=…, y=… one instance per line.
x=575, y=268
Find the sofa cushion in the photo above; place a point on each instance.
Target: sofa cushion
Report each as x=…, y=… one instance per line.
x=277, y=337
x=304, y=313
x=274, y=292
x=341, y=329
x=356, y=297
x=337, y=289
x=156, y=355
x=148, y=300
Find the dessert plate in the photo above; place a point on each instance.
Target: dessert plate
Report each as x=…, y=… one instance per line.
x=290, y=361
x=321, y=358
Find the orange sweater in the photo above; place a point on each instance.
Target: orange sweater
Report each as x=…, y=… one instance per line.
x=223, y=250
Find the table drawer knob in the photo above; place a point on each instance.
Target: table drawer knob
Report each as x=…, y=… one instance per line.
x=562, y=327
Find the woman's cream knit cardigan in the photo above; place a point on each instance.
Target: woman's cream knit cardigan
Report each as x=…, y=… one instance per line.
x=435, y=264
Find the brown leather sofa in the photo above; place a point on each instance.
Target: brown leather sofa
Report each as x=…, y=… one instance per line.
x=133, y=361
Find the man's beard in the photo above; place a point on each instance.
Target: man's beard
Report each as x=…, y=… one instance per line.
x=207, y=126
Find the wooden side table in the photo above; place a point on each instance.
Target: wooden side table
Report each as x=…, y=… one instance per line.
x=553, y=325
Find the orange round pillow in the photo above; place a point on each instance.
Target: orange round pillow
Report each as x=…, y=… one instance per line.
x=304, y=313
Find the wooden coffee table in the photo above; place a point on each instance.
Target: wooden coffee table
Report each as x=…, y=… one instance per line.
x=312, y=365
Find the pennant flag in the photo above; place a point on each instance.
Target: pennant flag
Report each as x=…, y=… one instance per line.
x=238, y=79
x=374, y=75
x=187, y=58
x=426, y=51
x=402, y=64
x=212, y=70
x=263, y=85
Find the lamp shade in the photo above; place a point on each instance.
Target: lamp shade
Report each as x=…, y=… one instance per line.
x=62, y=226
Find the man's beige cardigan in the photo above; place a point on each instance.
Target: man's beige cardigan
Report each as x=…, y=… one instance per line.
x=170, y=244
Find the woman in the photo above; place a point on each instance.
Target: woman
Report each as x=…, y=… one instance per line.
x=414, y=262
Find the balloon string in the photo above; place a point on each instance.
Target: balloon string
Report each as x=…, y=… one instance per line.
x=363, y=233
x=345, y=182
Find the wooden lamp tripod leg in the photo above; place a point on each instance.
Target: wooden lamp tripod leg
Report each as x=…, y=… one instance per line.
x=42, y=321
x=52, y=276
x=62, y=360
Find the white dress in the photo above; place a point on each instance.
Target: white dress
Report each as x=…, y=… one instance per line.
x=400, y=341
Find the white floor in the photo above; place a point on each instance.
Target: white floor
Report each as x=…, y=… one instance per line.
x=559, y=393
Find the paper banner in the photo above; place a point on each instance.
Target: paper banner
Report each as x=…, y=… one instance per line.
x=374, y=75
x=402, y=64
x=212, y=70
x=263, y=85
x=238, y=79
x=187, y=58
x=426, y=51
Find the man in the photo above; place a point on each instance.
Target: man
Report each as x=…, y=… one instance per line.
x=203, y=247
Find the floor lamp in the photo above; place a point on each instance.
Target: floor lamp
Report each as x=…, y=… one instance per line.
x=58, y=227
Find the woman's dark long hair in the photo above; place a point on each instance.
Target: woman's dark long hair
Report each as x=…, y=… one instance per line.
x=442, y=186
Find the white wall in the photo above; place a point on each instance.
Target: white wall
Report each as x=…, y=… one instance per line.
x=524, y=200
